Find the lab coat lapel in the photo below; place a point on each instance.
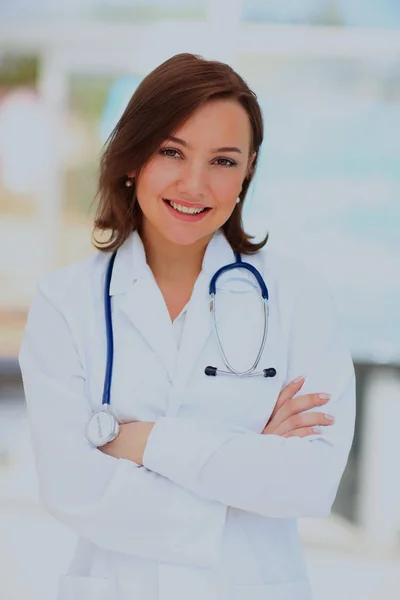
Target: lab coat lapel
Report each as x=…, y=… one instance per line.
x=138, y=297
x=198, y=325
x=196, y=331
x=145, y=308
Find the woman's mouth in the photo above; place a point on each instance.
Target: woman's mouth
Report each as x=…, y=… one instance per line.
x=186, y=213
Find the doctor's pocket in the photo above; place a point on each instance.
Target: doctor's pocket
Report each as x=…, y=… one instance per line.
x=80, y=587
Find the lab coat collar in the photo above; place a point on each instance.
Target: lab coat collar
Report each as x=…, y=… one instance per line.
x=131, y=265
x=218, y=254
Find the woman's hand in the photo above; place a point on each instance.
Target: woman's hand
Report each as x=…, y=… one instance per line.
x=131, y=441
x=289, y=419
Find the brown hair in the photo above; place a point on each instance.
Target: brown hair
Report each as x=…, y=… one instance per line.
x=163, y=101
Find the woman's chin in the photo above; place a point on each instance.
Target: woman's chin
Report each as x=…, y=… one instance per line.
x=184, y=234
x=187, y=238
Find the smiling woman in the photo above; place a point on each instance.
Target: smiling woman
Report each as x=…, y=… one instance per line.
x=200, y=155
x=185, y=480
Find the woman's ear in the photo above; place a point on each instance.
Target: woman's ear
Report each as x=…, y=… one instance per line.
x=250, y=169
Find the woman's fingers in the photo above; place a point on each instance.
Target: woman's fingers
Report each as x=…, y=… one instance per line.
x=290, y=414
x=287, y=394
x=298, y=405
x=303, y=432
x=303, y=420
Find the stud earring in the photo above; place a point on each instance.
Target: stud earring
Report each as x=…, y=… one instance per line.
x=238, y=200
x=129, y=183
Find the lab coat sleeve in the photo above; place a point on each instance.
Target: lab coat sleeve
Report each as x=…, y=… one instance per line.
x=115, y=503
x=268, y=474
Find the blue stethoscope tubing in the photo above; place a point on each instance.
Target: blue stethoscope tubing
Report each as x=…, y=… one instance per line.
x=103, y=426
x=109, y=333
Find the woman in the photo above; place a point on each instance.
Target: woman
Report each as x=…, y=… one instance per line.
x=198, y=495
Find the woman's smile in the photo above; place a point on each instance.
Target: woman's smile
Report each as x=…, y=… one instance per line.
x=186, y=212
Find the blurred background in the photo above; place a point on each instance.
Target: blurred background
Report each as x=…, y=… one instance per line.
x=327, y=75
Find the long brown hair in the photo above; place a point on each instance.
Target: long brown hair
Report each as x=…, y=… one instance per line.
x=163, y=101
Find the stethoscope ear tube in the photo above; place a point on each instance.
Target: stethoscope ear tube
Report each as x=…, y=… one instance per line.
x=239, y=264
x=251, y=371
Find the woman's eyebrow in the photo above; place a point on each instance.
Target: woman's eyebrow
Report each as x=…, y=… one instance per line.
x=177, y=140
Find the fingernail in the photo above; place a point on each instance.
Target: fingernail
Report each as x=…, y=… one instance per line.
x=317, y=429
x=329, y=417
x=298, y=379
x=324, y=396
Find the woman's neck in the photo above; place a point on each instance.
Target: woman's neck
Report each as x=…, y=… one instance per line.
x=170, y=261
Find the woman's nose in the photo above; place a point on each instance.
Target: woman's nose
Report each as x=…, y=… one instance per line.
x=193, y=179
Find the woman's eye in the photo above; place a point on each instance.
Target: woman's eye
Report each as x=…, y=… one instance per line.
x=226, y=162
x=173, y=153
x=169, y=152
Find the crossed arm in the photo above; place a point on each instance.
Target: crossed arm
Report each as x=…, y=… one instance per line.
x=290, y=470
x=288, y=419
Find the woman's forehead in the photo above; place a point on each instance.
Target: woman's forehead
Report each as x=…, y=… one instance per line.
x=220, y=123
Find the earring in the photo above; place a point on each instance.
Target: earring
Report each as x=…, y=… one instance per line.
x=238, y=200
x=129, y=183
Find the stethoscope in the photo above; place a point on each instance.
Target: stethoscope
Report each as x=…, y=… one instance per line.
x=103, y=427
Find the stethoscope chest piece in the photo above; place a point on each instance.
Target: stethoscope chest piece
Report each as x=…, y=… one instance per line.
x=102, y=428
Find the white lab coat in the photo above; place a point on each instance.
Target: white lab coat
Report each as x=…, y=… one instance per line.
x=212, y=514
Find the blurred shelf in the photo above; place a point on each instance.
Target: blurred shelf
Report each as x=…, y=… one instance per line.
x=12, y=323
x=108, y=39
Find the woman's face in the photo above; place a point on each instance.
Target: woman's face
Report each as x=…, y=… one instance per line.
x=188, y=189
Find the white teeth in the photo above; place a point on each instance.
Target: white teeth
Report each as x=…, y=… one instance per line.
x=185, y=209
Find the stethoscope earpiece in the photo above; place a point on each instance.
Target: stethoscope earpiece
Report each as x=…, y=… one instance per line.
x=211, y=371
x=271, y=372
